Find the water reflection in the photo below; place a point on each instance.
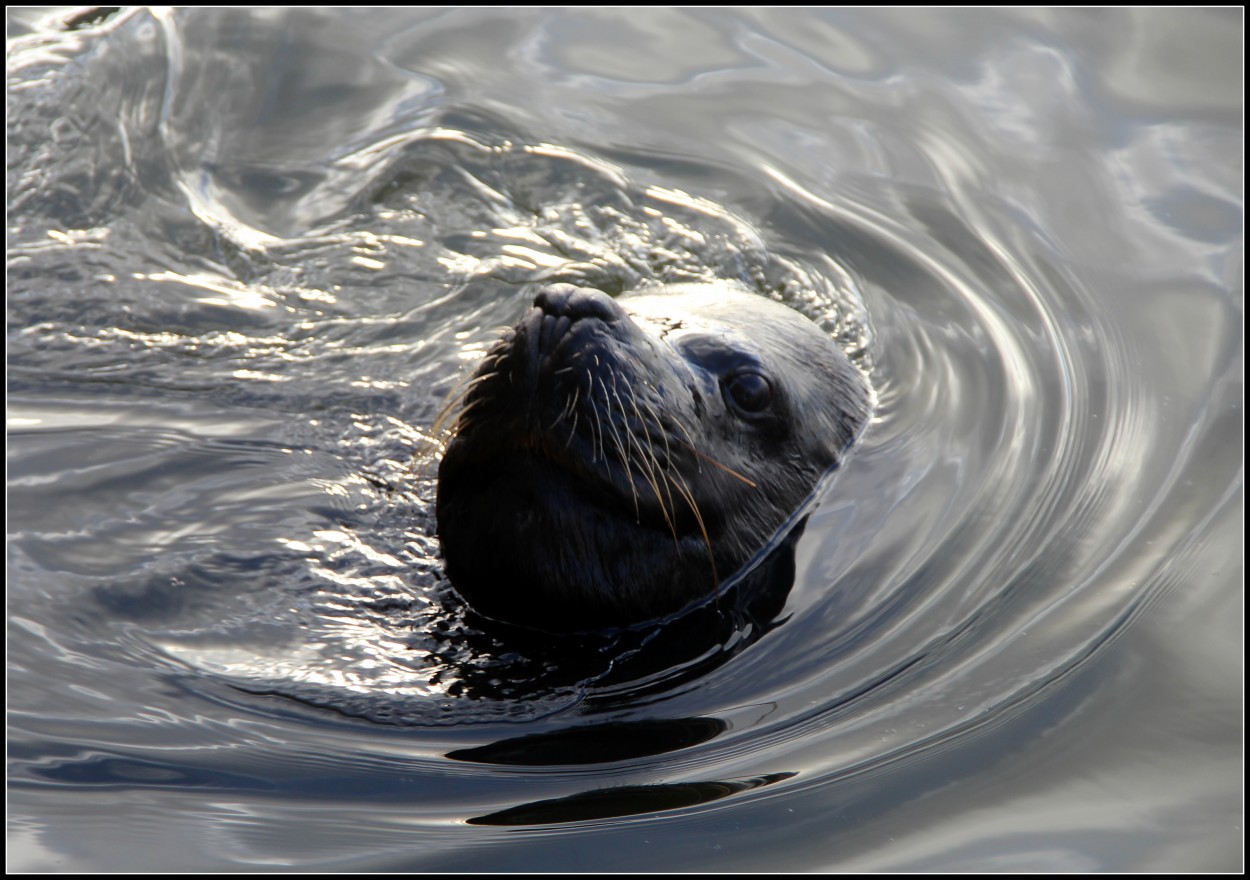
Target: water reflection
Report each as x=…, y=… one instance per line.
x=250, y=253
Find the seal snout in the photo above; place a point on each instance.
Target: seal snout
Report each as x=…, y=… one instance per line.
x=568, y=325
x=578, y=303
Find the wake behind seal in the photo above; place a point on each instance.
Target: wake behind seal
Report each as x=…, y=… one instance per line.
x=614, y=460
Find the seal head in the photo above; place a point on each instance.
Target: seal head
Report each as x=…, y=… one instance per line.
x=615, y=460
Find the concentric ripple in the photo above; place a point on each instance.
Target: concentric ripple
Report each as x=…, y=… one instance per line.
x=251, y=253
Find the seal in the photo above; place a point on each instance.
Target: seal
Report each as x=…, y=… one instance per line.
x=614, y=460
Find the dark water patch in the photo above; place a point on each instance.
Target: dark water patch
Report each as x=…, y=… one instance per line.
x=624, y=801
x=596, y=743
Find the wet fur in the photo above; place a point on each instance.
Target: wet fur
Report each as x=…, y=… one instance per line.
x=599, y=471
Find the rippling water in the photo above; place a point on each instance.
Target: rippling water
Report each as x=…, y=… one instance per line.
x=251, y=252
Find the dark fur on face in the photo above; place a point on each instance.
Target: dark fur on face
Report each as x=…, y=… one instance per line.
x=614, y=461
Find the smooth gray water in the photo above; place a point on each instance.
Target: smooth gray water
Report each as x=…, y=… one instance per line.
x=250, y=252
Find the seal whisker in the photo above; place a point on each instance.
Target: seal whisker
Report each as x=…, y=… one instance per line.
x=627, y=462
x=647, y=463
x=455, y=396
x=454, y=408
x=623, y=455
x=598, y=421
x=733, y=473
x=620, y=445
x=684, y=491
x=659, y=423
x=608, y=400
x=650, y=452
x=562, y=414
x=689, y=441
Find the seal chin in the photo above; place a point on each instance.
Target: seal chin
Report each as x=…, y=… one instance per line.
x=615, y=459
x=529, y=542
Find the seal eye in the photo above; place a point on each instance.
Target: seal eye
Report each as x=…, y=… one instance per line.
x=749, y=393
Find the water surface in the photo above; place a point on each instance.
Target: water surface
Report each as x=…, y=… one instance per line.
x=250, y=253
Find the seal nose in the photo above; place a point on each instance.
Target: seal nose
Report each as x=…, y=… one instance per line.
x=576, y=303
